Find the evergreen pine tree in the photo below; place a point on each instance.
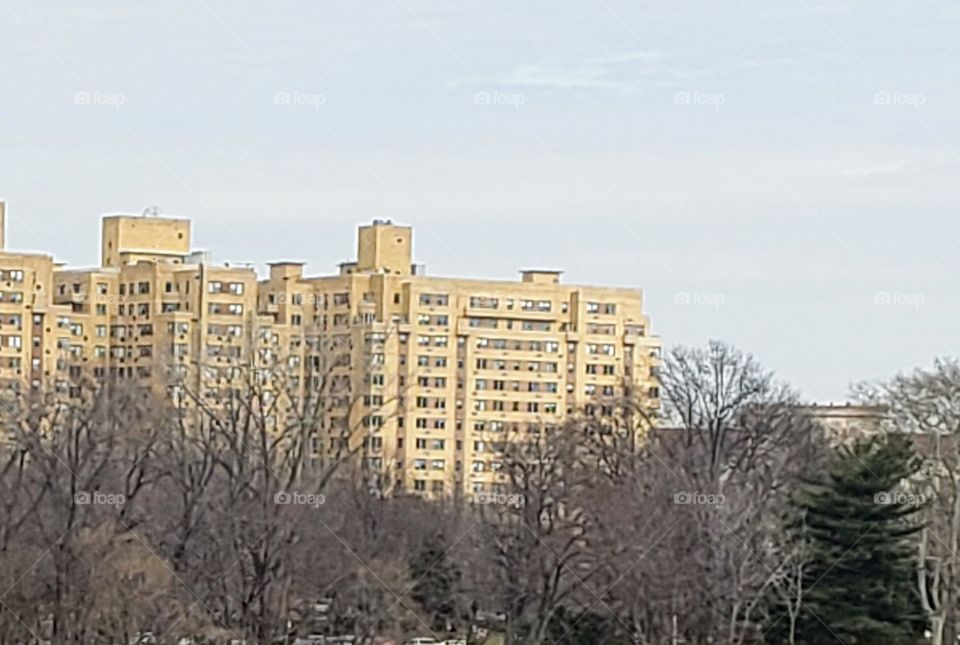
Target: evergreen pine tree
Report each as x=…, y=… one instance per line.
x=436, y=581
x=859, y=585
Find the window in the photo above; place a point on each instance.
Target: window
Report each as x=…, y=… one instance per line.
x=235, y=288
x=178, y=328
x=484, y=302
x=434, y=299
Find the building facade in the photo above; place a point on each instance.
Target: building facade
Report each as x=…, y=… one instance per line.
x=425, y=377
x=845, y=422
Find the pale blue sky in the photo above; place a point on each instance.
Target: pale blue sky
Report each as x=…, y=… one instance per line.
x=770, y=173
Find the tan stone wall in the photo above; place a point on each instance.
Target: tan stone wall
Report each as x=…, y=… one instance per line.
x=143, y=238
x=385, y=248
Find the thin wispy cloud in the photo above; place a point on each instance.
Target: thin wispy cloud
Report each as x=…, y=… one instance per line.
x=621, y=73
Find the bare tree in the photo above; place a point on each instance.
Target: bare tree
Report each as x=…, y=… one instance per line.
x=83, y=464
x=540, y=530
x=716, y=478
x=926, y=403
x=728, y=405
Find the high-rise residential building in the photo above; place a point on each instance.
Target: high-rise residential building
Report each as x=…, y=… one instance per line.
x=427, y=378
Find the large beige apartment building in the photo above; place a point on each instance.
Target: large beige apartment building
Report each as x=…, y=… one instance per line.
x=426, y=377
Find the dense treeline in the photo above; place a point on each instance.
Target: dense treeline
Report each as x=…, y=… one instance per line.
x=733, y=522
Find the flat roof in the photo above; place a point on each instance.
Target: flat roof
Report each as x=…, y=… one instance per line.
x=143, y=216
